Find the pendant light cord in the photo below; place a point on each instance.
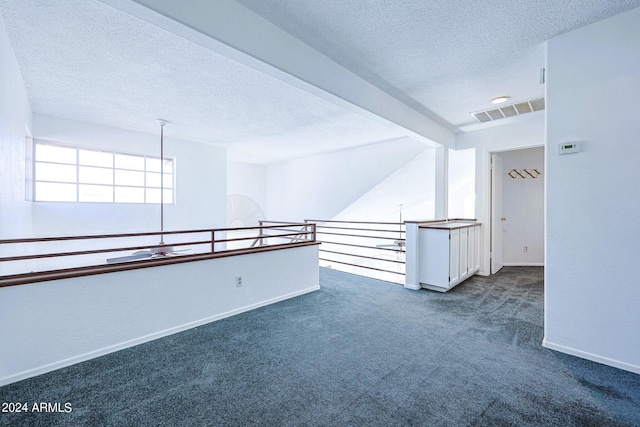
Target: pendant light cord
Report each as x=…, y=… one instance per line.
x=162, y=184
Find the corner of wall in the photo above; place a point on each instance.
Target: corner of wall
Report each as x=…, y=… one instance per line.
x=16, y=118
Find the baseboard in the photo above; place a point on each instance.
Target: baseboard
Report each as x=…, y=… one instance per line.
x=141, y=340
x=523, y=264
x=593, y=357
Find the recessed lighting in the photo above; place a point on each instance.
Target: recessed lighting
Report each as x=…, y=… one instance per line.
x=499, y=100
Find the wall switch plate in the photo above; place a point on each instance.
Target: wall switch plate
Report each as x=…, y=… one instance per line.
x=238, y=281
x=568, y=148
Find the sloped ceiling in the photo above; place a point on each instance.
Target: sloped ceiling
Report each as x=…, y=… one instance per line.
x=90, y=61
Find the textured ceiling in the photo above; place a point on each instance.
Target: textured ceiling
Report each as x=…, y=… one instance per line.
x=84, y=60
x=450, y=57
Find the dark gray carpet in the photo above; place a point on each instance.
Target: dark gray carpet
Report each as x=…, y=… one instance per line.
x=357, y=352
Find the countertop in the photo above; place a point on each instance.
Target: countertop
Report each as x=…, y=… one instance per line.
x=450, y=225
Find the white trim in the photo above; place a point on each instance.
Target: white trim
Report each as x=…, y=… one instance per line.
x=593, y=357
x=141, y=340
x=523, y=264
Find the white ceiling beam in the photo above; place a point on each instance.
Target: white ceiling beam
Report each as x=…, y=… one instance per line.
x=230, y=29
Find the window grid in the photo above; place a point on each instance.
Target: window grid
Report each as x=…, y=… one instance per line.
x=166, y=179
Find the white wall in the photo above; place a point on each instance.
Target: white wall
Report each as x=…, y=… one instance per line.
x=523, y=208
x=461, y=183
x=49, y=325
x=412, y=185
x=200, y=189
x=321, y=186
x=249, y=180
x=15, y=117
x=525, y=134
x=593, y=197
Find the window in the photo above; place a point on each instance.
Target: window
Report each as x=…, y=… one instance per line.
x=73, y=174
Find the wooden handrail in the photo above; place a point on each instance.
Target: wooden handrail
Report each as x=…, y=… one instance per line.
x=350, y=222
x=258, y=227
x=43, y=276
x=264, y=236
x=362, y=229
x=359, y=235
x=99, y=251
x=142, y=234
x=98, y=236
x=284, y=229
x=10, y=280
x=282, y=222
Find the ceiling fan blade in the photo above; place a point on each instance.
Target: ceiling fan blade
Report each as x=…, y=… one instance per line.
x=133, y=257
x=147, y=252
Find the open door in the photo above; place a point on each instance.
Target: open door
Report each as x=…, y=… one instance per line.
x=496, y=212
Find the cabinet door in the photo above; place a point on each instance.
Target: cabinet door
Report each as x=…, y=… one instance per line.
x=471, y=247
x=434, y=257
x=464, y=257
x=476, y=250
x=454, y=257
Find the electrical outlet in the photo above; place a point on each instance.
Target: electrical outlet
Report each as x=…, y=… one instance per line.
x=525, y=248
x=238, y=281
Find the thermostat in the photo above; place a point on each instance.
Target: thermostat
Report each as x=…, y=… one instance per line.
x=568, y=148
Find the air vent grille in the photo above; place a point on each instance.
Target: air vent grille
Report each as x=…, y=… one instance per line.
x=509, y=110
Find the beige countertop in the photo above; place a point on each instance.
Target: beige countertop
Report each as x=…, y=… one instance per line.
x=450, y=225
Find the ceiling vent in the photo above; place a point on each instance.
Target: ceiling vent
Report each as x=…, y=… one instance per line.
x=509, y=110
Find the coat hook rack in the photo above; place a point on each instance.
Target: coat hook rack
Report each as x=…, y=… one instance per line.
x=515, y=173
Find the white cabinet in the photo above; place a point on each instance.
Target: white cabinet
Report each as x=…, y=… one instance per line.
x=449, y=254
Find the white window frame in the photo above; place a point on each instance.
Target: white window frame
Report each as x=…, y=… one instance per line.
x=145, y=187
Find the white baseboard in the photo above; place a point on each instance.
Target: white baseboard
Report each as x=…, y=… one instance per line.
x=146, y=338
x=593, y=357
x=523, y=264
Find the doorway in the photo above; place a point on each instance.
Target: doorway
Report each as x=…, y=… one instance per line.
x=517, y=208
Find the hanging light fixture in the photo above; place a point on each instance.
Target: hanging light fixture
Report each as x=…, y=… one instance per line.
x=500, y=99
x=165, y=249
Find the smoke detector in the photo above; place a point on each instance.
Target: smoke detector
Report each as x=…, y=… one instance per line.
x=510, y=110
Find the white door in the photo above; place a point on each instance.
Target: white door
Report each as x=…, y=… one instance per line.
x=496, y=212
